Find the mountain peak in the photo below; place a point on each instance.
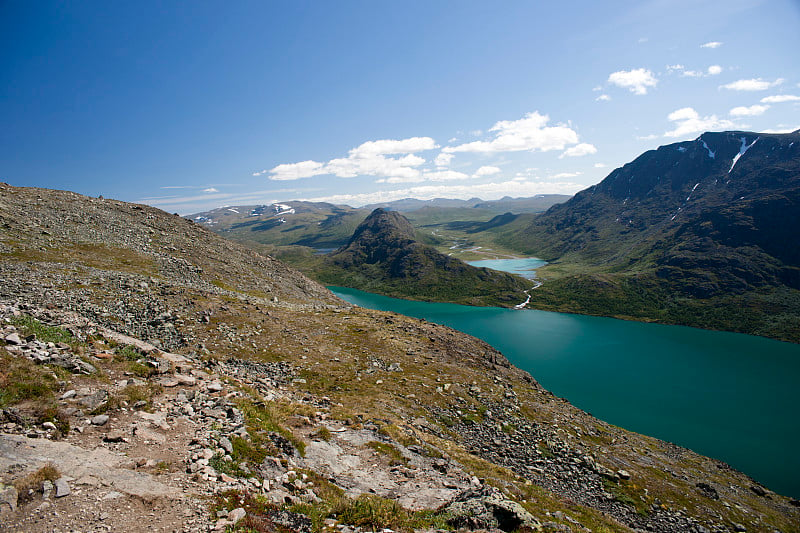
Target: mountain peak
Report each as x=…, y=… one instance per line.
x=384, y=256
x=383, y=225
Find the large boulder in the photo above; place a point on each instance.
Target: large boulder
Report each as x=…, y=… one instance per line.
x=487, y=508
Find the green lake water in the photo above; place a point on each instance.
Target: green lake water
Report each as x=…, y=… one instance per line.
x=525, y=267
x=726, y=395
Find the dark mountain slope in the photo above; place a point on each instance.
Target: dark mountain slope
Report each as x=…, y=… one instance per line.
x=384, y=256
x=706, y=219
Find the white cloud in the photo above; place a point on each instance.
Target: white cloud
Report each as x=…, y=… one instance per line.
x=637, y=80
x=603, y=98
x=712, y=44
x=780, y=98
x=486, y=191
x=443, y=159
x=413, y=179
x=753, y=84
x=647, y=137
x=528, y=133
x=444, y=175
x=374, y=165
x=752, y=111
x=600, y=165
x=486, y=171
x=428, y=175
x=713, y=70
x=210, y=189
x=367, y=159
x=579, y=150
x=688, y=121
x=390, y=146
x=563, y=175
x=782, y=129
x=294, y=171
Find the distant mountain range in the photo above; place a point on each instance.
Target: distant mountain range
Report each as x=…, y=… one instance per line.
x=703, y=232
x=533, y=204
x=325, y=226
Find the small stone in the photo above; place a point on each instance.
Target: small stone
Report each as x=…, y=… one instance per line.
x=114, y=436
x=13, y=339
x=623, y=474
x=69, y=394
x=237, y=514
x=100, y=420
x=226, y=445
x=215, y=386
x=188, y=381
x=8, y=499
x=739, y=527
x=62, y=487
x=47, y=489
x=50, y=426
x=95, y=401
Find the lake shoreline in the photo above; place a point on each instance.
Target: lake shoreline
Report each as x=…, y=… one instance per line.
x=618, y=370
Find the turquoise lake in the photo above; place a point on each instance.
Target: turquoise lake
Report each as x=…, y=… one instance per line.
x=726, y=395
x=525, y=267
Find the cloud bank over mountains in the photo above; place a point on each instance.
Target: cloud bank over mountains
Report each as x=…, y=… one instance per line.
x=399, y=161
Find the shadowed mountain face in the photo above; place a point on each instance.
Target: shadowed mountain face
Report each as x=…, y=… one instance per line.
x=383, y=237
x=713, y=217
x=384, y=256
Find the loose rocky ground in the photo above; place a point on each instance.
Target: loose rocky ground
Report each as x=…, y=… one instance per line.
x=155, y=377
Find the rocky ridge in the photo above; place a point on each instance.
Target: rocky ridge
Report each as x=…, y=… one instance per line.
x=220, y=406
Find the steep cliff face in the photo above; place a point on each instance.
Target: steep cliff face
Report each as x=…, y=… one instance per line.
x=384, y=256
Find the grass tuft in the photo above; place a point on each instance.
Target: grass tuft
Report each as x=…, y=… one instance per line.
x=31, y=484
x=27, y=325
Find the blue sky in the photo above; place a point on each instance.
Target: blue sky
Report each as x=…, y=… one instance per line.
x=192, y=105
